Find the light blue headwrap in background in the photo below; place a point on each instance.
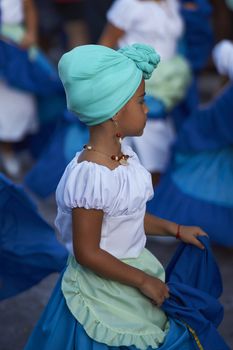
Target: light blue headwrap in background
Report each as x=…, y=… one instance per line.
x=99, y=81
x=230, y=4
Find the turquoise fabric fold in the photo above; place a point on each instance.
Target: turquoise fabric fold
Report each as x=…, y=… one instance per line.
x=99, y=81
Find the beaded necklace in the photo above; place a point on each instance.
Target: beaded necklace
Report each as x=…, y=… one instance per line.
x=122, y=159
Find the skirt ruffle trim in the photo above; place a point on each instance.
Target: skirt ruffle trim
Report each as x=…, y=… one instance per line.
x=101, y=332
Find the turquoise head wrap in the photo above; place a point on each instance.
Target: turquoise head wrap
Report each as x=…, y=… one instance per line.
x=99, y=81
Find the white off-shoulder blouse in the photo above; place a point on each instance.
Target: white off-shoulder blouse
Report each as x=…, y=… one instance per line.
x=121, y=193
x=158, y=24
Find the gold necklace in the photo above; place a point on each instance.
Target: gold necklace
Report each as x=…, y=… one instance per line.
x=122, y=159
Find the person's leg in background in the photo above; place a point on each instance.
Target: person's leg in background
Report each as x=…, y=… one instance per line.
x=75, y=27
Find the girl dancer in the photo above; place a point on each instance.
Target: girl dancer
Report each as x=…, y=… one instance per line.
x=110, y=294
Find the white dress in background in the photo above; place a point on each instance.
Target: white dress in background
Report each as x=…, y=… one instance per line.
x=18, y=115
x=160, y=25
x=11, y=11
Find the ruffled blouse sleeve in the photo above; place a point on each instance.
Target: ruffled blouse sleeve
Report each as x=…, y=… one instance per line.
x=86, y=185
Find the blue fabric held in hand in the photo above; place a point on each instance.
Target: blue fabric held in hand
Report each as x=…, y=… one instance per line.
x=195, y=284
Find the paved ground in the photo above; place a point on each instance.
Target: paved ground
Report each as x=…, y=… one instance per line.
x=18, y=315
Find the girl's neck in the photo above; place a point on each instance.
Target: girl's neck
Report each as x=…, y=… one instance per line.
x=103, y=138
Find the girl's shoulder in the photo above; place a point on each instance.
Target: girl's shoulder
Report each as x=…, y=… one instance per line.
x=91, y=185
x=85, y=185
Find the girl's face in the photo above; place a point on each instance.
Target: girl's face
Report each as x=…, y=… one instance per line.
x=132, y=117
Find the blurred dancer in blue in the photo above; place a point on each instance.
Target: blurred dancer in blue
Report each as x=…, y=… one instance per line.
x=13, y=13
x=196, y=45
x=29, y=250
x=67, y=139
x=198, y=187
x=27, y=77
x=101, y=217
x=198, y=38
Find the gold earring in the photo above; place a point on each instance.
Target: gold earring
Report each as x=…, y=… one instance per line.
x=118, y=134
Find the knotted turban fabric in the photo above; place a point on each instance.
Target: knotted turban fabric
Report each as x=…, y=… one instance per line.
x=99, y=81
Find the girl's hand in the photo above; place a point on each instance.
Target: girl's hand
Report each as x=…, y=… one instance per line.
x=154, y=289
x=189, y=234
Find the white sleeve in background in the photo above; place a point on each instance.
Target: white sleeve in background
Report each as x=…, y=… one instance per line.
x=223, y=58
x=11, y=11
x=122, y=13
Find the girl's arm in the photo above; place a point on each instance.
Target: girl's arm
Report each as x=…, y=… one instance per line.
x=87, y=225
x=161, y=227
x=111, y=35
x=31, y=24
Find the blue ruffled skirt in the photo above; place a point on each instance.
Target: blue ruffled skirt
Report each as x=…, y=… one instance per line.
x=58, y=329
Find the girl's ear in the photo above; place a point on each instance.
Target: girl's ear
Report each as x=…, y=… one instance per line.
x=118, y=114
x=114, y=118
